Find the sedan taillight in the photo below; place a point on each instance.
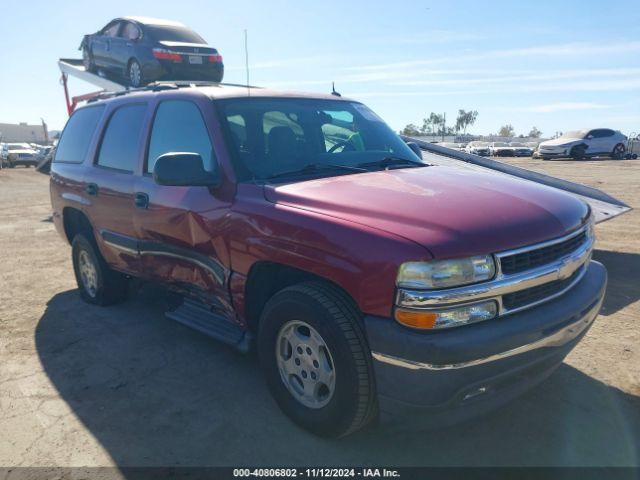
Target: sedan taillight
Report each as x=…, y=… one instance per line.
x=163, y=54
x=215, y=58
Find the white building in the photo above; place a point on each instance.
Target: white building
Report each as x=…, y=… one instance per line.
x=22, y=132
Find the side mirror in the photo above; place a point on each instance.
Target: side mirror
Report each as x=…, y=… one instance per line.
x=415, y=148
x=182, y=169
x=589, y=137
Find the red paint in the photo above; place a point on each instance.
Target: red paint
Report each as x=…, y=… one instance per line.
x=354, y=230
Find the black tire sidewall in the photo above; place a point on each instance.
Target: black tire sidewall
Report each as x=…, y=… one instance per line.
x=335, y=417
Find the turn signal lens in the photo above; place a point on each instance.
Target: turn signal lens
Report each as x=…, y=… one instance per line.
x=446, y=318
x=416, y=319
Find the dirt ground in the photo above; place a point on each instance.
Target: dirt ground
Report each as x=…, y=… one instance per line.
x=123, y=385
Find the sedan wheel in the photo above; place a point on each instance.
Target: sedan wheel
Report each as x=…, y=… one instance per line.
x=618, y=152
x=87, y=61
x=135, y=74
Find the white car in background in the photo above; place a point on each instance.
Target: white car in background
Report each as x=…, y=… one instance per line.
x=477, y=148
x=501, y=149
x=579, y=144
x=521, y=149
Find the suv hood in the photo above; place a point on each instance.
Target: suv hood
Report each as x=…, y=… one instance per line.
x=452, y=212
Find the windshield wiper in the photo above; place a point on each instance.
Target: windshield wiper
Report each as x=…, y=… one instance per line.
x=392, y=161
x=317, y=167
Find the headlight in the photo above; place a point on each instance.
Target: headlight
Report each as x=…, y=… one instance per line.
x=447, y=317
x=446, y=273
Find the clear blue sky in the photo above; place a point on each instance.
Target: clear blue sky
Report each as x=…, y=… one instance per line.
x=558, y=65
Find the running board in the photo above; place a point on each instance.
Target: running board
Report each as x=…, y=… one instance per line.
x=200, y=317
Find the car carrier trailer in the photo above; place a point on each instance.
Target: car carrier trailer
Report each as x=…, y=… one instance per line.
x=603, y=205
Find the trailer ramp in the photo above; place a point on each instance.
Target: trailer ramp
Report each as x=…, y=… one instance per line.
x=75, y=68
x=603, y=205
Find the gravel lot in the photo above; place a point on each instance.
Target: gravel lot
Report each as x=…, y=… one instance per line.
x=89, y=386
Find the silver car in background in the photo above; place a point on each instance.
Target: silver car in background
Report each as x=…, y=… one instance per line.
x=579, y=144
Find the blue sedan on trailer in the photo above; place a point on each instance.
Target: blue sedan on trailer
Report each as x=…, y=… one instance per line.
x=143, y=50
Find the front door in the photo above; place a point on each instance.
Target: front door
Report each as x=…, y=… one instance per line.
x=182, y=229
x=110, y=183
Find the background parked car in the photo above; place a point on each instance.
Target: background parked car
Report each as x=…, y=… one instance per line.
x=478, y=148
x=521, y=149
x=584, y=143
x=143, y=50
x=20, y=154
x=501, y=149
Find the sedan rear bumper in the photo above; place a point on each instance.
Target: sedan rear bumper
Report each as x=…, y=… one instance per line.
x=461, y=372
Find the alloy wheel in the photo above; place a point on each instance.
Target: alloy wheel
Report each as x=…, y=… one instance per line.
x=88, y=273
x=305, y=364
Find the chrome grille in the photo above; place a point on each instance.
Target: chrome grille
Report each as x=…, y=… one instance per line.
x=528, y=296
x=526, y=260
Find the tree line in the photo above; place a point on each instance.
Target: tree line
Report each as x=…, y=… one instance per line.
x=436, y=124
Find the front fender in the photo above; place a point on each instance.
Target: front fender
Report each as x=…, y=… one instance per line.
x=362, y=260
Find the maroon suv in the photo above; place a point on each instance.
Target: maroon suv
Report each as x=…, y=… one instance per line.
x=368, y=280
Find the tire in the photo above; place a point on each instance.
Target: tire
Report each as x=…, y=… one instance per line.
x=134, y=74
x=87, y=60
x=618, y=152
x=578, y=152
x=351, y=402
x=106, y=286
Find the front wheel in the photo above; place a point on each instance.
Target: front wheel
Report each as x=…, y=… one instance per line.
x=618, y=152
x=98, y=284
x=578, y=152
x=87, y=60
x=316, y=359
x=134, y=74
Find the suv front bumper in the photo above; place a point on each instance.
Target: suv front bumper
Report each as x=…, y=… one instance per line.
x=468, y=370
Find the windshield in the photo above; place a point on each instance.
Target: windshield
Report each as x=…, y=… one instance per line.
x=574, y=134
x=271, y=136
x=173, y=34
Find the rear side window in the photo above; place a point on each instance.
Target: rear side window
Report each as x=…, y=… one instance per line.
x=119, y=148
x=179, y=127
x=77, y=135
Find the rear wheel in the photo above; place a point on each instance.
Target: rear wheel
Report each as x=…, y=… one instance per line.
x=134, y=74
x=98, y=284
x=316, y=359
x=618, y=152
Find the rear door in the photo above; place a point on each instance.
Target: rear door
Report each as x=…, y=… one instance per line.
x=182, y=229
x=122, y=46
x=110, y=183
x=607, y=140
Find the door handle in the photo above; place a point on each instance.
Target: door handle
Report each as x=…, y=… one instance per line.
x=141, y=200
x=91, y=189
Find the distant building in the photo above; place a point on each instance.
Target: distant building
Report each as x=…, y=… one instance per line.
x=11, y=132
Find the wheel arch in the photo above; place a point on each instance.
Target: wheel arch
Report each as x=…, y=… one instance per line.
x=75, y=221
x=266, y=278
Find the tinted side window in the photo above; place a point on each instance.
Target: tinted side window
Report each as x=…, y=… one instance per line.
x=179, y=127
x=130, y=31
x=111, y=30
x=607, y=133
x=119, y=148
x=75, y=140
